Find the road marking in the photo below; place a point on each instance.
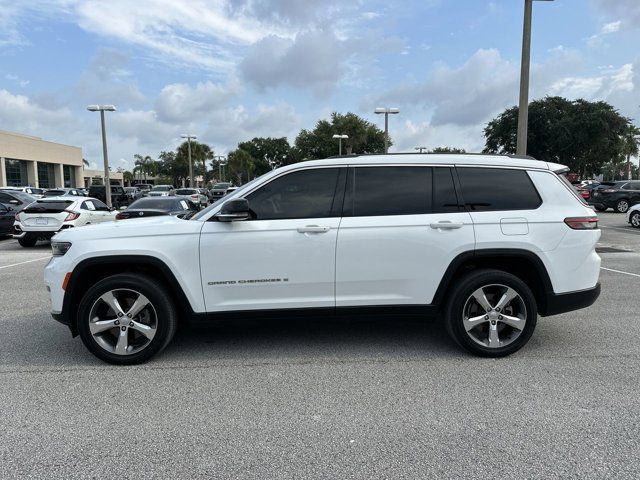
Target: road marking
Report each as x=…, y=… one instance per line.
x=620, y=271
x=628, y=230
x=22, y=263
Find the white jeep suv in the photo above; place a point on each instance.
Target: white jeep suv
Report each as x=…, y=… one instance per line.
x=488, y=241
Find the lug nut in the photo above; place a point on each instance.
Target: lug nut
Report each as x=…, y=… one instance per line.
x=486, y=317
x=129, y=315
x=119, y=314
x=131, y=324
x=499, y=317
x=123, y=328
x=497, y=309
x=117, y=322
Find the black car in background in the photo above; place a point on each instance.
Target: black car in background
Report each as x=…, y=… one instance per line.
x=7, y=218
x=119, y=197
x=620, y=195
x=15, y=200
x=155, y=206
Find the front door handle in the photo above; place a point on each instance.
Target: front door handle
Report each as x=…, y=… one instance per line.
x=313, y=229
x=446, y=225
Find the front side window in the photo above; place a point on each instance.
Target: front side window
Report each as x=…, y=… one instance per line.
x=398, y=190
x=301, y=194
x=495, y=189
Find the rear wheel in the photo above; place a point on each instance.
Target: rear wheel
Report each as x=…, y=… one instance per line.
x=622, y=206
x=28, y=240
x=126, y=319
x=491, y=313
x=635, y=219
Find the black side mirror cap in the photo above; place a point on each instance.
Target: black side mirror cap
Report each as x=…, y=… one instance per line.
x=234, y=210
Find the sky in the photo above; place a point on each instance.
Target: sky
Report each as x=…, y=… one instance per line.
x=231, y=70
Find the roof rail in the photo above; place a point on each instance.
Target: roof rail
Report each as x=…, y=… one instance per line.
x=510, y=155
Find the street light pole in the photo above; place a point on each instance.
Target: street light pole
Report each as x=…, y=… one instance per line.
x=340, y=137
x=219, y=159
x=525, y=67
x=386, y=111
x=189, y=136
x=107, y=181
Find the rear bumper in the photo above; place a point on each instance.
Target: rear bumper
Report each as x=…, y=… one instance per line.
x=557, y=303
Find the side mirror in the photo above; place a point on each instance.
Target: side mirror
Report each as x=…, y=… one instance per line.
x=234, y=210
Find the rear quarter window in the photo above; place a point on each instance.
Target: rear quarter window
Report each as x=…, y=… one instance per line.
x=496, y=189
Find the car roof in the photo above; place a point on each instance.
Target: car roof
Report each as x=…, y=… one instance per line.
x=470, y=159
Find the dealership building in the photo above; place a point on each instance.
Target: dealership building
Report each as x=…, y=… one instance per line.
x=31, y=161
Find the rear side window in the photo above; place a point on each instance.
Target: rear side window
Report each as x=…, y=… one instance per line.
x=301, y=194
x=491, y=189
x=377, y=191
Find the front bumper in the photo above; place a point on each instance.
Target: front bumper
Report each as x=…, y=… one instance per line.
x=557, y=303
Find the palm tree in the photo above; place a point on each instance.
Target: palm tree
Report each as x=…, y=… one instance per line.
x=631, y=142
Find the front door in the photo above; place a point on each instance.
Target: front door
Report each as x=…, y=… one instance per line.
x=401, y=229
x=284, y=257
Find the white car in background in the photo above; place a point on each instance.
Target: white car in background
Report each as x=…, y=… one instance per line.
x=43, y=218
x=36, y=192
x=633, y=216
x=199, y=199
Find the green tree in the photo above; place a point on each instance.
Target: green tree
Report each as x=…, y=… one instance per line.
x=364, y=137
x=268, y=152
x=144, y=166
x=240, y=166
x=580, y=134
x=128, y=177
x=200, y=154
x=448, y=150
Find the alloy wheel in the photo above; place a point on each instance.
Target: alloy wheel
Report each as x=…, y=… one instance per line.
x=494, y=316
x=622, y=206
x=635, y=219
x=123, y=321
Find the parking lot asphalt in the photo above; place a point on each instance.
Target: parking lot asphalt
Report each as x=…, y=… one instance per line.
x=324, y=398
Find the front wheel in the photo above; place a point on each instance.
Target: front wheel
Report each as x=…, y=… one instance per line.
x=126, y=319
x=635, y=219
x=491, y=313
x=622, y=206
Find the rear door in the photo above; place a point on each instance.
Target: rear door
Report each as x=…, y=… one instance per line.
x=401, y=228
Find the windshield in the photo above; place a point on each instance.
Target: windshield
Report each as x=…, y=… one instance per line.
x=161, y=188
x=186, y=191
x=24, y=197
x=220, y=186
x=236, y=194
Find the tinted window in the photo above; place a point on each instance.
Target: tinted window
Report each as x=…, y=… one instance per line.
x=388, y=191
x=186, y=191
x=155, y=203
x=48, y=207
x=303, y=194
x=486, y=189
x=444, y=192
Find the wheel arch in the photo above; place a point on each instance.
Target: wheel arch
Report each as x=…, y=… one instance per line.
x=90, y=271
x=524, y=264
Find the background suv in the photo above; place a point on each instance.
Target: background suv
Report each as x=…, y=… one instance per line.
x=119, y=197
x=617, y=195
x=489, y=242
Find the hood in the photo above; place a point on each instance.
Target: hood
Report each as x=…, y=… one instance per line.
x=132, y=227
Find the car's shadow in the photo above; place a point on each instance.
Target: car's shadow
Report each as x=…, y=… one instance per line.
x=44, y=343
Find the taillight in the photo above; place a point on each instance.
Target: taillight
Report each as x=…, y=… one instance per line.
x=121, y=216
x=71, y=216
x=582, y=223
x=195, y=197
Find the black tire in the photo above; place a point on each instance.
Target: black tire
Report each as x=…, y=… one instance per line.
x=159, y=297
x=622, y=205
x=462, y=291
x=28, y=240
x=635, y=219
x=601, y=208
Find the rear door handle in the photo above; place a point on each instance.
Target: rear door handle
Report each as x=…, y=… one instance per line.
x=313, y=229
x=446, y=225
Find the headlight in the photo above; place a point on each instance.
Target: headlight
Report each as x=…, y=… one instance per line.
x=60, y=248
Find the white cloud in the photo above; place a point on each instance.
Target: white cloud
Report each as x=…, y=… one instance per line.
x=179, y=102
x=611, y=27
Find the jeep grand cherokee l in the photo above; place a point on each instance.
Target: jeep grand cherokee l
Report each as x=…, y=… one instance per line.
x=490, y=242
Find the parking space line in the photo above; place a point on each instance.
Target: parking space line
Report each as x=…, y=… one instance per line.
x=628, y=230
x=22, y=263
x=620, y=271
